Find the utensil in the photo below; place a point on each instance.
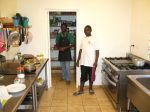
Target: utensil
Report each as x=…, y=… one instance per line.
x=20, y=35
x=13, y=88
x=29, y=37
x=138, y=62
x=14, y=38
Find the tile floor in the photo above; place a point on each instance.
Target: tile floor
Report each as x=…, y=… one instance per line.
x=59, y=98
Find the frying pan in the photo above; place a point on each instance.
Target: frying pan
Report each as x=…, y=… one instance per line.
x=14, y=38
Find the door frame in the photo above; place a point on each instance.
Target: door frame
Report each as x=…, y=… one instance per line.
x=48, y=50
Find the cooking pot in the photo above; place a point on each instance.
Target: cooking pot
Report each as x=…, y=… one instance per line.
x=29, y=68
x=138, y=62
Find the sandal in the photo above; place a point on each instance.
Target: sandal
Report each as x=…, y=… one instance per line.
x=91, y=92
x=78, y=93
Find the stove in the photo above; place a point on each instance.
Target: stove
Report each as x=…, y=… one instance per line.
x=125, y=63
x=114, y=72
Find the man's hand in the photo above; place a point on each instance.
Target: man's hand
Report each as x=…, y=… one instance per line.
x=77, y=63
x=62, y=49
x=95, y=65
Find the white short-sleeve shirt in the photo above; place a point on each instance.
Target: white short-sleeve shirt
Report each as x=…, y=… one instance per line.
x=88, y=46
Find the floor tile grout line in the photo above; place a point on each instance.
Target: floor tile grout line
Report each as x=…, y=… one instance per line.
x=82, y=103
x=67, y=100
x=98, y=103
x=84, y=108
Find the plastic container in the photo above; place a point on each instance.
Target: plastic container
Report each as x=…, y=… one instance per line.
x=21, y=76
x=20, y=72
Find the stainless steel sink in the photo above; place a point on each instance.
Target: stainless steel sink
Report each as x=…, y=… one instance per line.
x=145, y=81
x=139, y=91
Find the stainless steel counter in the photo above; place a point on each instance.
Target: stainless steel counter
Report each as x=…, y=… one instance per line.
x=138, y=92
x=14, y=102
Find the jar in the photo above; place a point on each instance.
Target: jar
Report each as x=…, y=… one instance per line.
x=20, y=72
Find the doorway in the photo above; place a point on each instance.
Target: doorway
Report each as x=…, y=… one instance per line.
x=56, y=18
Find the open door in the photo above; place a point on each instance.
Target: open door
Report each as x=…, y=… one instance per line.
x=56, y=18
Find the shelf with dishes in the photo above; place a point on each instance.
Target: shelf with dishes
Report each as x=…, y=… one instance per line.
x=56, y=59
x=55, y=31
x=57, y=20
x=59, y=68
x=62, y=13
x=56, y=49
x=55, y=64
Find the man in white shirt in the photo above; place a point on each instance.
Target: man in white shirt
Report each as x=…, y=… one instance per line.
x=88, y=57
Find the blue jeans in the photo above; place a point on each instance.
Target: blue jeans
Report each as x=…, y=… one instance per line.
x=65, y=65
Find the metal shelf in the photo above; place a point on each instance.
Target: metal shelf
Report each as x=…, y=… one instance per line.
x=25, y=110
x=40, y=89
x=59, y=68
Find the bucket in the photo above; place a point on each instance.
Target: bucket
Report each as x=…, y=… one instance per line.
x=25, y=21
x=15, y=21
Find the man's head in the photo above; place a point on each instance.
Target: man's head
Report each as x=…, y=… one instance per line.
x=87, y=30
x=63, y=27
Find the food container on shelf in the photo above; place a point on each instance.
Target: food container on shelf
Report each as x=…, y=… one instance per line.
x=20, y=72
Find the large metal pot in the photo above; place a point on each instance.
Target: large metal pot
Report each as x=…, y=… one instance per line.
x=138, y=62
x=29, y=68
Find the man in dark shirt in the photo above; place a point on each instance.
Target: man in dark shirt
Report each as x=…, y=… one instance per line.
x=64, y=41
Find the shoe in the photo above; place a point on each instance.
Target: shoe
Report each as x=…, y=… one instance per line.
x=91, y=92
x=78, y=93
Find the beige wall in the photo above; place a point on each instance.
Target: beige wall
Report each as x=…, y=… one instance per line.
x=8, y=8
x=110, y=20
x=140, y=28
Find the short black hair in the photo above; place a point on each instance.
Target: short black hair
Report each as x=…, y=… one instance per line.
x=88, y=26
x=64, y=24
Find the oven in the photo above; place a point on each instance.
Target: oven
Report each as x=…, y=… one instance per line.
x=114, y=78
x=110, y=82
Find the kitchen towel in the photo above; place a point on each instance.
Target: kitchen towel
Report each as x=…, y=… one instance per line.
x=2, y=42
x=4, y=93
x=93, y=74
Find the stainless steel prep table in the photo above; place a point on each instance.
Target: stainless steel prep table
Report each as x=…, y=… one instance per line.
x=14, y=102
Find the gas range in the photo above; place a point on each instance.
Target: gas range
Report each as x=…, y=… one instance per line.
x=125, y=63
x=114, y=73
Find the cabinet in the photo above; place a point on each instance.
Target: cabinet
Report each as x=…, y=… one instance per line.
x=56, y=19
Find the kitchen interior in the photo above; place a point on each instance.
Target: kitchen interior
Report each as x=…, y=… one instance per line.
x=122, y=77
